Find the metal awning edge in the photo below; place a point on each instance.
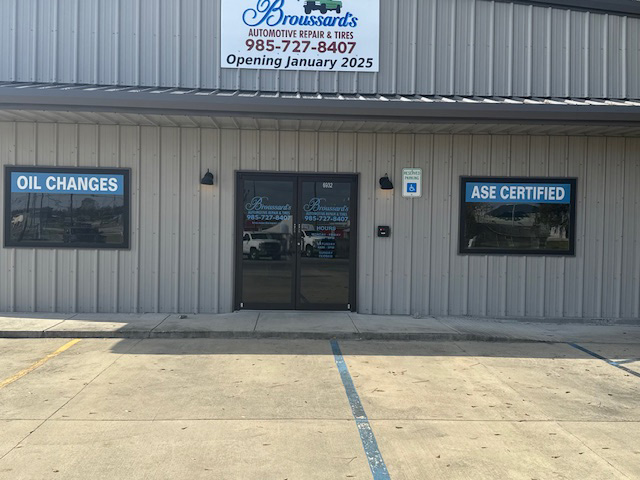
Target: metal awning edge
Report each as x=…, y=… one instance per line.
x=123, y=100
x=615, y=7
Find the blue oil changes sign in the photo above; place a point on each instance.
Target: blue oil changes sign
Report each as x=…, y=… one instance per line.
x=495, y=192
x=65, y=183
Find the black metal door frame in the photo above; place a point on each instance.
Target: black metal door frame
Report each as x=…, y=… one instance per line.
x=297, y=180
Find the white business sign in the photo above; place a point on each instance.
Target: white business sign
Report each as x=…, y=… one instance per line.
x=411, y=182
x=326, y=35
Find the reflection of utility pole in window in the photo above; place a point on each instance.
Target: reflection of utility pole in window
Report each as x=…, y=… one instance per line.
x=32, y=215
x=513, y=224
x=315, y=195
x=40, y=217
x=70, y=216
x=26, y=217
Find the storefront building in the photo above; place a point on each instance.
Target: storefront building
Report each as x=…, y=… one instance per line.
x=418, y=157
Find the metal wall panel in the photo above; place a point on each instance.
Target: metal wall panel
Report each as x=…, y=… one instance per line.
x=629, y=298
x=447, y=47
x=181, y=256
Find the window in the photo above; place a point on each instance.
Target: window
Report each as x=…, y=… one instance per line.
x=526, y=216
x=66, y=207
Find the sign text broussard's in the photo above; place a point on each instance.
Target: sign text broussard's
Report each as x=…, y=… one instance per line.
x=64, y=183
x=325, y=35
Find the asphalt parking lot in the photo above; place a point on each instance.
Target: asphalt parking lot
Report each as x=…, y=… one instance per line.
x=285, y=409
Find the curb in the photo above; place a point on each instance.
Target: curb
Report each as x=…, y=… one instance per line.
x=177, y=335
x=598, y=322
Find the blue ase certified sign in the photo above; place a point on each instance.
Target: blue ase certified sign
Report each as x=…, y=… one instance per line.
x=495, y=192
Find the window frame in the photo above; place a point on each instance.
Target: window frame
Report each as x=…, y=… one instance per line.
x=464, y=250
x=125, y=172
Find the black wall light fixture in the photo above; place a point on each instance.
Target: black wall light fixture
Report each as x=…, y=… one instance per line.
x=385, y=183
x=207, y=179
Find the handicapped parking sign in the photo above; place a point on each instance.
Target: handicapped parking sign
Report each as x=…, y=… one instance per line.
x=411, y=182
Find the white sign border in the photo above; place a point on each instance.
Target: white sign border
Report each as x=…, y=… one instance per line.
x=406, y=194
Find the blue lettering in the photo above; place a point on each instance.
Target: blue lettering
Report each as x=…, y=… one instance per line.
x=271, y=13
x=266, y=11
x=344, y=21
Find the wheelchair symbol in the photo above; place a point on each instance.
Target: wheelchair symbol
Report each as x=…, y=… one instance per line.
x=412, y=187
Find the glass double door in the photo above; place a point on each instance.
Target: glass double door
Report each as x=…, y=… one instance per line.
x=296, y=241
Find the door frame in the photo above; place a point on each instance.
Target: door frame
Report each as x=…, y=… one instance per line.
x=297, y=179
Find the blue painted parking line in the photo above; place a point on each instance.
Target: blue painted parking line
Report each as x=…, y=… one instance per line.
x=376, y=462
x=630, y=360
x=600, y=357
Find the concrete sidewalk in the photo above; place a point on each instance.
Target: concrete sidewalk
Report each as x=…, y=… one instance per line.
x=314, y=325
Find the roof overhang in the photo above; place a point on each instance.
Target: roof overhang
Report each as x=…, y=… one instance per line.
x=617, y=7
x=316, y=126
x=376, y=108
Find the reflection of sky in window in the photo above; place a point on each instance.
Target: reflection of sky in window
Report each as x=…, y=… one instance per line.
x=62, y=201
x=278, y=193
x=337, y=196
x=511, y=210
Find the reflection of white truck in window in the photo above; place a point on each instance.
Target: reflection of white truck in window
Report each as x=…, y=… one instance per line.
x=256, y=245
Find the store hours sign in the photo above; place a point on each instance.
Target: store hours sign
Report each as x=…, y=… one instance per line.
x=325, y=35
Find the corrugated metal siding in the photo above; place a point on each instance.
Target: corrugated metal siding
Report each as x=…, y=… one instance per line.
x=182, y=242
x=446, y=47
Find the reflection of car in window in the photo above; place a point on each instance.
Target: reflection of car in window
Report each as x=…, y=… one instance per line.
x=514, y=212
x=315, y=243
x=256, y=245
x=83, y=233
x=531, y=226
x=322, y=5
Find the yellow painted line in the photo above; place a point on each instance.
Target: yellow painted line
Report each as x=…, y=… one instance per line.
x=39, y=363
